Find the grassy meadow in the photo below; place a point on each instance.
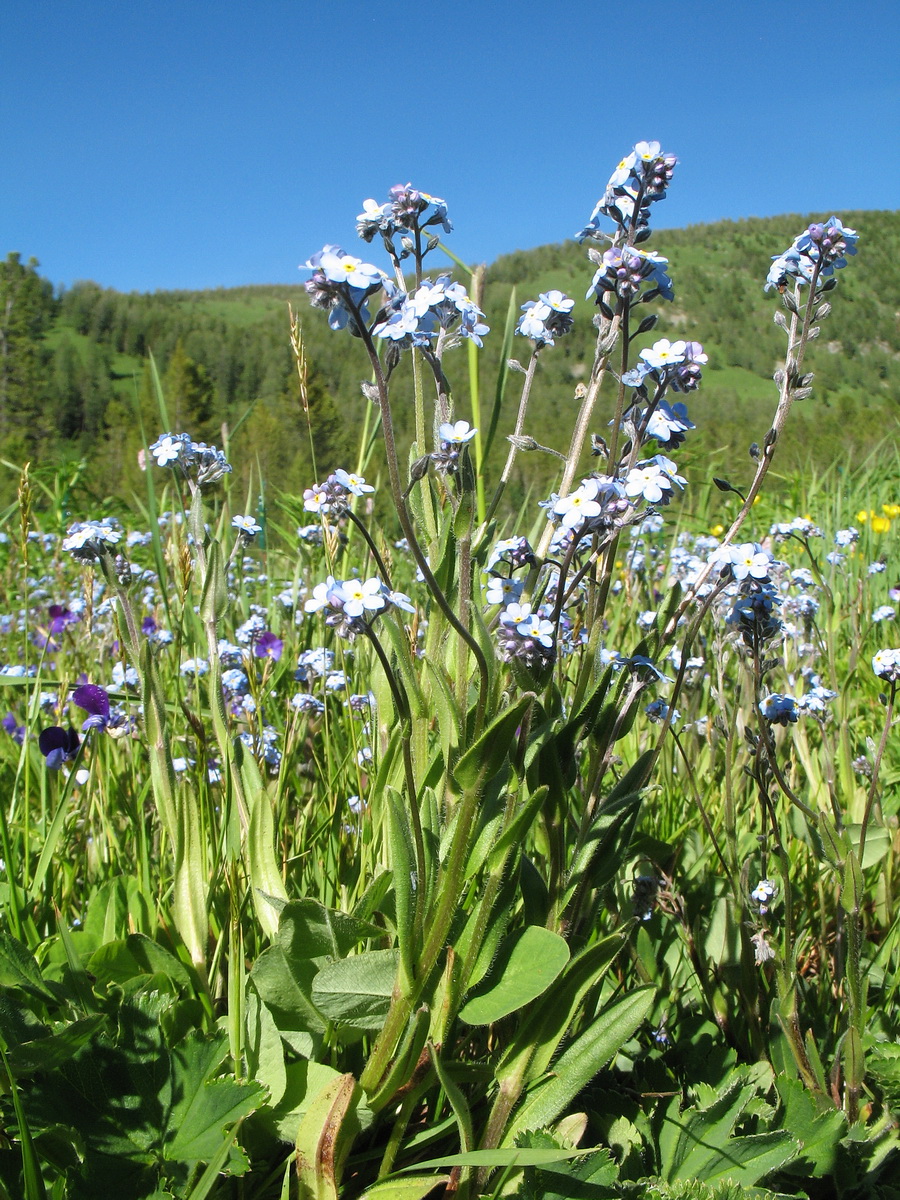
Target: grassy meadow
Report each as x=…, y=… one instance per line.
x=406, y=838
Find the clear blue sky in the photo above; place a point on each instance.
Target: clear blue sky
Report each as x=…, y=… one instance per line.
x=180, y=144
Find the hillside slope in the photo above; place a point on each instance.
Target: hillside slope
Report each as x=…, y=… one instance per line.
x=223, y=354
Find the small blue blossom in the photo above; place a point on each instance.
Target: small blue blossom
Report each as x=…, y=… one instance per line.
x=247, y=526
x=779, y=710
x=763, y=894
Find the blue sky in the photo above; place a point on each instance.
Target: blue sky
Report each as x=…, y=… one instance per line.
x=179, y=144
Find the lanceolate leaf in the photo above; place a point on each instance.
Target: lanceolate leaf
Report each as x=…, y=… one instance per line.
x=587, y=1055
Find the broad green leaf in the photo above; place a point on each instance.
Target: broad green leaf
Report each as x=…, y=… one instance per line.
x=203, y=1107
x=357, y=991
x=697, y=1143
x=119, y=961
x=309, y=930
x=285, y=985
x=46, y=1053
x=528, y=962
x=878, y=842
x=816, y=1128
x=536, y=1041
x=18, y=968
x=304, y=1080
x=263, y=1046
x=142, y=1110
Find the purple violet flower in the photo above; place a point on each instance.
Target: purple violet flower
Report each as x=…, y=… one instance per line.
x=95, y=702
x=58, y=745
x=267, y=645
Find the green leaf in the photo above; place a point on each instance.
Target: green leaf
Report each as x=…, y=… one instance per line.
x=285, y=985
x=357, y=991
x=578, y=1065
x=47, y=1053
x=266, y=884
x=528, y=962
x=144, y=1112
x=410, y=1187
x=697, y=1144
x=304, y=1080
x=485, y=758
x=202, y=1107
x=878, y=842
x=214, y=598
x=309, y=930
x=263, y=1046
x=817, y=1129
x=18, y=968
x=540, y=1034
x=135, y=955
x=403, y=865
x=504, y=1156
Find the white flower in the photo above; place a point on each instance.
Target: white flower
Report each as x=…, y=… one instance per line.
x=353, y=483
x=749, y=559
x=664, y=354
x=649, y=481
x=357, y=597
x=167, y=450
x=457, y=434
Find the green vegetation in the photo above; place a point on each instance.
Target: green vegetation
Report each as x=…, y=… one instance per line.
x=342, y=866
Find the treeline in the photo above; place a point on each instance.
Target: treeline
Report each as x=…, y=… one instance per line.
x=78, y=386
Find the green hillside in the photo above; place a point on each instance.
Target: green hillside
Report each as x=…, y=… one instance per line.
x=75, y=377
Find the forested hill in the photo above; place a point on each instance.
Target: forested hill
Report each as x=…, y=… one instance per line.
x=76, y=382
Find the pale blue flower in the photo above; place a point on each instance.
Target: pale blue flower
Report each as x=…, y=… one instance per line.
x=248, y=526
x=456, y=434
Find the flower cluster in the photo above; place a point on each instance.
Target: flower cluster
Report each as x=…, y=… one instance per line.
x=624, y=271
x=527, y=637
x=666, y=364
x=199, y=462
x=408, y=213
x=452, y=439
x=763, y=895
x=341, y=284
x=90, y=540
x=820, y=250
x=548, y=317
x=352, y=603
x=640, y=179
x=886, y=665
x=413, y=319
x=780, y=710
x=334, y=495
x=755, y=614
